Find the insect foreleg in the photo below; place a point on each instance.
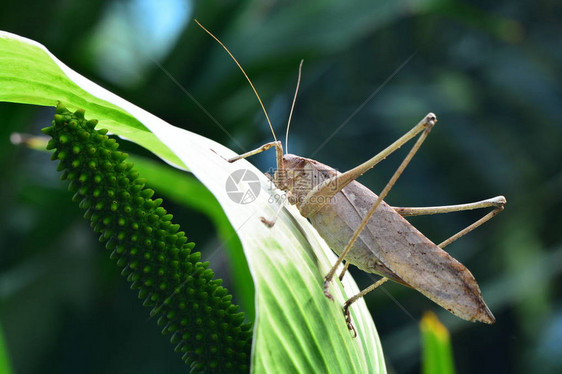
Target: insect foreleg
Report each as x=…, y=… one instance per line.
x=265, y=147
x=280, y=170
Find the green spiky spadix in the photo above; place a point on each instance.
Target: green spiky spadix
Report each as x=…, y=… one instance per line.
x=154, y=255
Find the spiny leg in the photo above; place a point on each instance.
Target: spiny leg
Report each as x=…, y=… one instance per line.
x=353, y=299
x=345, y=267
x=469, y=228
x=326, y=189
x=495, y=202
x=430, y=120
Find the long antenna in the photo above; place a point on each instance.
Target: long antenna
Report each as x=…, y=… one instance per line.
x=292, y=108
x=246, y=75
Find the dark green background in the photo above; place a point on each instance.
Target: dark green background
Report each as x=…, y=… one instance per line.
x=491, y=71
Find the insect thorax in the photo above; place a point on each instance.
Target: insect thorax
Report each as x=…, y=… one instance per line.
x=301, y=175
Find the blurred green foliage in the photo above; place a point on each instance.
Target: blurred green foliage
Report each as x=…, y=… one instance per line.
x=491, y=71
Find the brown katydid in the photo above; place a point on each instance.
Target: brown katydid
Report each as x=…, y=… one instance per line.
x=368, y=233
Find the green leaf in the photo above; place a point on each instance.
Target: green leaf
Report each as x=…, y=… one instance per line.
x=296, y=327
x=30, y=74
x=437, y=354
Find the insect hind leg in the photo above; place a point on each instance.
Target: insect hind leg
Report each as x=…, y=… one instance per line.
x=497, y=202
x=424, y=127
